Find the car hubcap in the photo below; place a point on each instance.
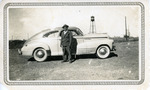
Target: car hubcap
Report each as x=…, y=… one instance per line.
x=40, y=54
x=103, y=51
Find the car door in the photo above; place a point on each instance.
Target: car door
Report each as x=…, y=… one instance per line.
x=81, y=46
x=52, y=42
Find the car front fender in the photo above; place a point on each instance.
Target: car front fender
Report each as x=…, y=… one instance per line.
x=95, y=43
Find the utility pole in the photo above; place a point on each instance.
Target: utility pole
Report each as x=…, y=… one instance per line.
x=125, y=28
x=126, y=31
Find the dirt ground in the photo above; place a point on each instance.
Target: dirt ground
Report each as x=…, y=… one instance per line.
x=123, y=64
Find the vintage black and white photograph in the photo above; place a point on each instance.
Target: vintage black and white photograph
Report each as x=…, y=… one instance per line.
x=74, y=43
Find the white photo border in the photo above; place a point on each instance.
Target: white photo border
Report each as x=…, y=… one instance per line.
x=75, y=82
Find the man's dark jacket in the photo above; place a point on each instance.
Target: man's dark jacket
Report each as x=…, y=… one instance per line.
x=66, y=39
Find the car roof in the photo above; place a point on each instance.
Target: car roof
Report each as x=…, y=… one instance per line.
x=56, y=29
x=70, y=28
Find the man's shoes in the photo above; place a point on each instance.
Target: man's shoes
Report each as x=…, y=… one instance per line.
x=70, y=61
x=64, y=61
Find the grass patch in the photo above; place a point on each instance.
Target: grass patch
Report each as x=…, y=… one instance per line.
x=121, y=39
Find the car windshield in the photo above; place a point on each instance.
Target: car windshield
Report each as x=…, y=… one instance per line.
x=79, y=32
x=76, y=33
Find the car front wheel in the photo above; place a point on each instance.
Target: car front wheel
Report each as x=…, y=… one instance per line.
x=103, y=51
x=40, y=54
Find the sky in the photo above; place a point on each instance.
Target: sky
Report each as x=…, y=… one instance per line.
x=25, y=22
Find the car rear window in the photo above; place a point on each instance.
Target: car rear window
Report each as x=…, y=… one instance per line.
x=50, y=33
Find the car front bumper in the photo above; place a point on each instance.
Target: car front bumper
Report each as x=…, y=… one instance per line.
x=113, y=48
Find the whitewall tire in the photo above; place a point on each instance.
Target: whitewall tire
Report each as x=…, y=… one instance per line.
x=103, y=52
x=40, y=54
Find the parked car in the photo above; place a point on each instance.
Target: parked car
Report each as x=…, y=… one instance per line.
x=47, y=43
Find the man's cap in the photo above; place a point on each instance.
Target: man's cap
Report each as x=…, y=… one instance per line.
x=65, y=26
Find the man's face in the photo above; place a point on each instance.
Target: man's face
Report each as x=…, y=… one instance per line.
x=65, y=28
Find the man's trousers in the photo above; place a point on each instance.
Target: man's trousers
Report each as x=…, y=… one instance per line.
x=66, y=52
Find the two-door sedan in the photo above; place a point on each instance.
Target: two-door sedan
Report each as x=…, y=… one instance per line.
x=47, y=43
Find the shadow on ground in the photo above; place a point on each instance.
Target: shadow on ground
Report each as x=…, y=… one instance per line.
x=113, y=55
x=87, y=56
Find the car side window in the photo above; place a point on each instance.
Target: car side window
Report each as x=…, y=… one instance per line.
x=74, y=33
x=51, y=34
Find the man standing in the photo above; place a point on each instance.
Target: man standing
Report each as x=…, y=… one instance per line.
x=66, y=40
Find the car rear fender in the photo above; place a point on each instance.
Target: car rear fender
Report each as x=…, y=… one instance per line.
x=44, y=46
